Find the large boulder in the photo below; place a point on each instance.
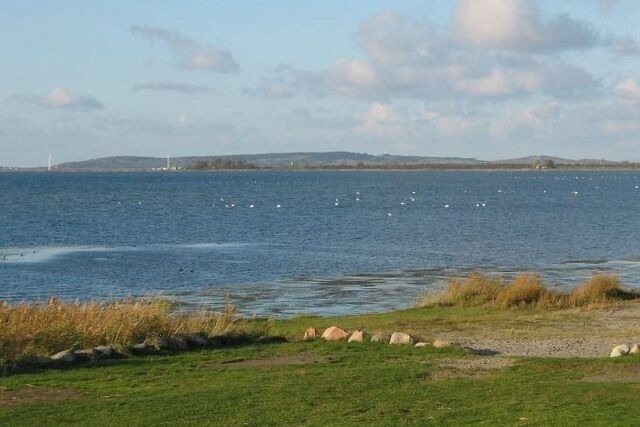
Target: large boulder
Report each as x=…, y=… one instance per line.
x=65, y=356
x=334, y=333
x=310, y=334
x=357, y=336
x=398, y=338
x=619, y=350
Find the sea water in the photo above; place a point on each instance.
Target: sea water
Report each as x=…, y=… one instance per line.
x=282, y=243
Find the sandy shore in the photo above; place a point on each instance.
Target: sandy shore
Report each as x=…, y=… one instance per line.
x=568, y=333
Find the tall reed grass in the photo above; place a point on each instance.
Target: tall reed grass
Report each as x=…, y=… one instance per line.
x=31, y=329
x=527, y=290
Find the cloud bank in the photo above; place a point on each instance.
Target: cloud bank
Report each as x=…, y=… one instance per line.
x=188, y=53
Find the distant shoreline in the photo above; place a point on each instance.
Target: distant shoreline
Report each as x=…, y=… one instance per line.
x=470, y=168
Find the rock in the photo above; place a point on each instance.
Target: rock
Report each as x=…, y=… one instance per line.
x=635, y=349
x=37, y=362
x=357, y=336
x=380, y=337
x=443, y=344
x=141, y=349
x=196, y=340
x=400, y=338
x=310, y=334
x=103, y=351
x=334, y=334
x=86, y=355
x=156, y=343
x=619, y=350
x=420, y=344
x=65, y=356
x=177, y=344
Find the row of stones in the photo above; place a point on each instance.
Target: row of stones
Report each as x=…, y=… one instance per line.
x=334, y=333
x=148, y=346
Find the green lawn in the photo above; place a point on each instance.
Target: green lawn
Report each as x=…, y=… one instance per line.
x=319, y=383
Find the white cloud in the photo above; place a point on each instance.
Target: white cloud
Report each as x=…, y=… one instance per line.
x=517, y=25
x=628, y=89
x=188, y=53
x=625, y=46
x=183, y=88
x=182, y=120
x=60, y=98
x=548, y=111
x=408, y=59
x=606, y=6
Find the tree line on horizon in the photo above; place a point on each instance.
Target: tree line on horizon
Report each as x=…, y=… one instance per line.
x=241, y=164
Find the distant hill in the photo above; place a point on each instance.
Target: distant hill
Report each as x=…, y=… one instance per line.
x=273, y=160
x=332, y=159
x=556, y=160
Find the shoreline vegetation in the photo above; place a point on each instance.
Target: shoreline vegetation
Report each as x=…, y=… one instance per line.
x=32, y=330
x=482, y=351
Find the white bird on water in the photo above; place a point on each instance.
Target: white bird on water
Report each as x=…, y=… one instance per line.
x=278, y=206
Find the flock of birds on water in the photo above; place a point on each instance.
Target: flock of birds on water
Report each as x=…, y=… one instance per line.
x=357, y=197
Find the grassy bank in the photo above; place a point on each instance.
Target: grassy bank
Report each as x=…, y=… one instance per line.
x=316, y=383
x=325, y=383
x=44, y=329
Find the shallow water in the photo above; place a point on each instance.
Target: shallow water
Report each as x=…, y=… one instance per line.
x=340, y=242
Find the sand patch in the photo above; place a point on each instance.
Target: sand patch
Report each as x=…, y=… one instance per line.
x=30, y=395
x=286, y=360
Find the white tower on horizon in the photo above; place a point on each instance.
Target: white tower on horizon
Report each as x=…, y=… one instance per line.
x=49, y=163
x=168, y=162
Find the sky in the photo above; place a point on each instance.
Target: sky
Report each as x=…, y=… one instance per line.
x=490, y=79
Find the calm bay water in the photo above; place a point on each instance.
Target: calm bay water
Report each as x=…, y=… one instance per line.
x=308, y=242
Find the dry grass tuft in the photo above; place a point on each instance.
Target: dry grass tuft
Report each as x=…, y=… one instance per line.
x=477, y=289
x=32, y=329
x=599, y=289
x=527, y=290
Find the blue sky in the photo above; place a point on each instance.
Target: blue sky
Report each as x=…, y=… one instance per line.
x=475, y=78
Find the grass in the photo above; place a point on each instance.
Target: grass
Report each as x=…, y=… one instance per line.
x=32, y=329
x=364, y=384
x=319, y=383
x=528, y=290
